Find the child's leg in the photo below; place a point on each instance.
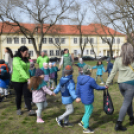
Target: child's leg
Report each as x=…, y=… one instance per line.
x=101, y=78
x=40, y=107
x=6, y=91
x=55, y=80
x=53, y=84
x=88, y=112
x=96, y=77
x=65, y=116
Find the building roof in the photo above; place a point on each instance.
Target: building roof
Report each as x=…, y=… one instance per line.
x=92, y=29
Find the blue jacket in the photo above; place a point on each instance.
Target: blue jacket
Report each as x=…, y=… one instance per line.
x=85, y=89
x=32, y=72
x=100, y=69
x=109, y=67
x=4, y=83
x=69, y=95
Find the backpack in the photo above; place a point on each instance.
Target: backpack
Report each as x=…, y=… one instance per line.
x=5, y=65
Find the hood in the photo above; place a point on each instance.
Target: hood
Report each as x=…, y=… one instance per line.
x=83, y=79
x=64, y=80
x=109, y=60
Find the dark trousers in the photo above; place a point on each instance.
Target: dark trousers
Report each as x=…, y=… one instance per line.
x=20, y=89
x=55, y=80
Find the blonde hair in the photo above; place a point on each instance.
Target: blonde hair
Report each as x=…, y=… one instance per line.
x=127, y=54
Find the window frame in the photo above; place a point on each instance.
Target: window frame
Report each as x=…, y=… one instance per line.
x=23, y=40
x=15, y=39
x=8, y=41
x=75, y=41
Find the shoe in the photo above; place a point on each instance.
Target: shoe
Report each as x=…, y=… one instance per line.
x=119, y=127
x=88, y=130
x=68, y=125
x=60, y=123
x=26, y=106
x=80, y=124
x=131, y=121
x=31, y=113
x=102, y=83
x=19, y=112
x=39, y=120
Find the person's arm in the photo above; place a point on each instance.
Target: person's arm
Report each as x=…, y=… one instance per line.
x=94, y=67
x=18, y=67
x=38, y=60
x=94, y=85
x=72, y=92
x=7, y=57
x=47, y=91
x=61, y=62
x=113, y=73
x=103, y=69
x=57, y=90
x=77, y=90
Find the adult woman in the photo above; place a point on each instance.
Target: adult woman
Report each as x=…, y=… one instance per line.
x=20, y=77
x=124, y=64
x=9, y=57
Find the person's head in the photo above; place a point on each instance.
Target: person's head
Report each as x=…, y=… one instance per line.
x=32, y=66
x=28, y=55
x=54, y=64
x=87, y=70
x=81, y=60
x=43, y=53
x=50, y=65
x=127, y=54
x=2, y=61
x=68, y=70
x=45, y=65
x=8, y=50
x=36, y=80
x=99, y=63
x=66, y=51
x=108, y=60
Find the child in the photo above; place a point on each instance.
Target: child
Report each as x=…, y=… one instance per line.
x=56, y=74
x=80, y=66
x=109, y=66
x=32, y=69
x=100, y=69
x=38, y=87
x=52, y=76
x=85, y=93
x=46, y=71
x=67, y=89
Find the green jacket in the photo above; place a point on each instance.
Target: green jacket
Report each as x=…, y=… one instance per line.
x=125, y=72
x=20, y=70
x=41, y=60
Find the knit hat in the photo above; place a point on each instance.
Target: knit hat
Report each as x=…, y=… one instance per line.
x=32, y=66
x=50, y=63
x=39, y=72
x=68, y=70
x=86, y=69
x=2, y=61
x=109, y=60
x=45, y=63
x=80, y=59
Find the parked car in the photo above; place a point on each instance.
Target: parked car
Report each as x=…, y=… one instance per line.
x=88, y=58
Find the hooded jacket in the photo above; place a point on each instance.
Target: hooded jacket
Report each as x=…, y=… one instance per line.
x=68, y=95
x=85, y=89
x=109, y=66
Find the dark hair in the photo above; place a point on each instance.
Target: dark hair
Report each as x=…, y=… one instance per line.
x=68, y=72
x=18, y=54
x=66, y=50
x=98, y=62
x=9, y=51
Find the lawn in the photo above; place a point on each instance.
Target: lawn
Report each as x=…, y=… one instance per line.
x=10, y=123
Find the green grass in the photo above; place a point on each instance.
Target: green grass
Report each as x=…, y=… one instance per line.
x=10, y=123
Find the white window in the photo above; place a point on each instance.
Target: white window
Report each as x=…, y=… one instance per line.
x=75, y=40
x=86, y=40
x=51, y=52
x=30, y=41
x=57, y=52
x=104, y=40
x=87, y=52
x=44, y=40
x=9, y=40
x=45, y=51
x=56, y=40
x=113, y=40
x=91, y=40
x=118, y=40
x=91, y=51
x=23, y=40
x=16, y=40
x=75, y=52
x=50, y=41
x=31, y=53
x=62, y=40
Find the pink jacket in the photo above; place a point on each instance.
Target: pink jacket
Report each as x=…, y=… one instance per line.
x=39, y=95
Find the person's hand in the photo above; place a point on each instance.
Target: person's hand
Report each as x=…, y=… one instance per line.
x=53, y=94
x=59, y=68
x=106, y=86
x=78, y=100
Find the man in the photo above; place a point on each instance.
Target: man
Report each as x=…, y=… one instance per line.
x=66, y=59
x=41, y=59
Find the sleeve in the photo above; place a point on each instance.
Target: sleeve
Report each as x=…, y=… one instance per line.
x=77, y=90
x=18, y=67
x=47, y=59
x=94, y=85
x=113, y=73
x=94, y=67
x=47, y=91
x=103, y=69
x=57, y=90
x=107, y=68
x=37, y=60
x=61, y=61
x=7, y=57
x=72, y=90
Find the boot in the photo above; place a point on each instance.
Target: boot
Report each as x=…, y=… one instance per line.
x=131, y=121
x=119, y=127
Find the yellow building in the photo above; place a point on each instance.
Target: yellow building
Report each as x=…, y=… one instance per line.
x=68, y=36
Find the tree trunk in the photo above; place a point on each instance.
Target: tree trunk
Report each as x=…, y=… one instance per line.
x=111, y=51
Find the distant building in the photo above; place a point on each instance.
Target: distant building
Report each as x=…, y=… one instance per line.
x=68, y=35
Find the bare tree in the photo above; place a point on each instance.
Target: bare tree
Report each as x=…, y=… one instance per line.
x=44, y=14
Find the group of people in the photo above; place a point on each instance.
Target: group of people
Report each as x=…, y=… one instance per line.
x=36, y=82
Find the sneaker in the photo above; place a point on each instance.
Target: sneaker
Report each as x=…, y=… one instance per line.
x=19, y=112
x=102, y=83
x=31, y=113
x=80, y=124
x=39, y=120
x=88, y=130
x=60, y=123
x=68, y=125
